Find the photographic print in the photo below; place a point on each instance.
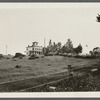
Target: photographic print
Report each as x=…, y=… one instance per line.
x=49, y=47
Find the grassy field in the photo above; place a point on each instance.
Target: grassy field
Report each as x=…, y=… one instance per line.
x=39, y=71
x=41, y=66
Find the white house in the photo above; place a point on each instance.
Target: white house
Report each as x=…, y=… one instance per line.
x=34, y=49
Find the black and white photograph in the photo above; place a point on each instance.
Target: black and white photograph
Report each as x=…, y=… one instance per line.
x=49, y=47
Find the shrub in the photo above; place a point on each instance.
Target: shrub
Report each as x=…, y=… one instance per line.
x=19, y=55
x=85, y=57
x=33, y=57
x=18, y=66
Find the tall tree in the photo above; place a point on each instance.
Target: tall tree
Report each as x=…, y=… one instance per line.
x=69, y=46
x=50, y=43
x=50, y=46
x=58, y=47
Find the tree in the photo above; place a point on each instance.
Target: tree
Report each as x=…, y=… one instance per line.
x=46, y=51
x=69, y=46
x=63, y=49
x=59, y=47
x=50, y=43
x=98, y=18
x=96, y=51
x=78, y=49
x=53, y=48
x=50, y=46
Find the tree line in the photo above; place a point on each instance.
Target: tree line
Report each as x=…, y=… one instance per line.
x=58, y=48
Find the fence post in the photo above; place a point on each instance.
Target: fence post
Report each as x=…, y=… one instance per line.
x=69, y=69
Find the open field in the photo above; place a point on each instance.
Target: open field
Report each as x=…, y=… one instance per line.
x=41, y=66
x=39, y=70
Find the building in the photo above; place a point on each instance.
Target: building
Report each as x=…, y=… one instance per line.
x=34, y=49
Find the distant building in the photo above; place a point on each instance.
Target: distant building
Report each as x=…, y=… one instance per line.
x=34, y=49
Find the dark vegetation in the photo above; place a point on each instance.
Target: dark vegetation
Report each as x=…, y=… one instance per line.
x=98, y=18
x=18, y=66
x=19, y=55
x=33, y=57
x=85, y=82
x=78, y=49
x=68, y=50
x=57, y=48
x=85, y=57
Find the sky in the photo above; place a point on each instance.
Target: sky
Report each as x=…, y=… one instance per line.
x=23, y=23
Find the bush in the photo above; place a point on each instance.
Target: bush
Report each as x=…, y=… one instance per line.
x=48, y=54
x=19, y=55
x=33, y=57
x=85, y=57
x=18, y=66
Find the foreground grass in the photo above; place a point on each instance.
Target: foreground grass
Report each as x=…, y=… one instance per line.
x=31, y=82
x=88, y=81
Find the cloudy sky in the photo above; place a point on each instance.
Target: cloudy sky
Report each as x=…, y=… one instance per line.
x=21, y=24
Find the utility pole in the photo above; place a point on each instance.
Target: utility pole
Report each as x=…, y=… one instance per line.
x=44, y=46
